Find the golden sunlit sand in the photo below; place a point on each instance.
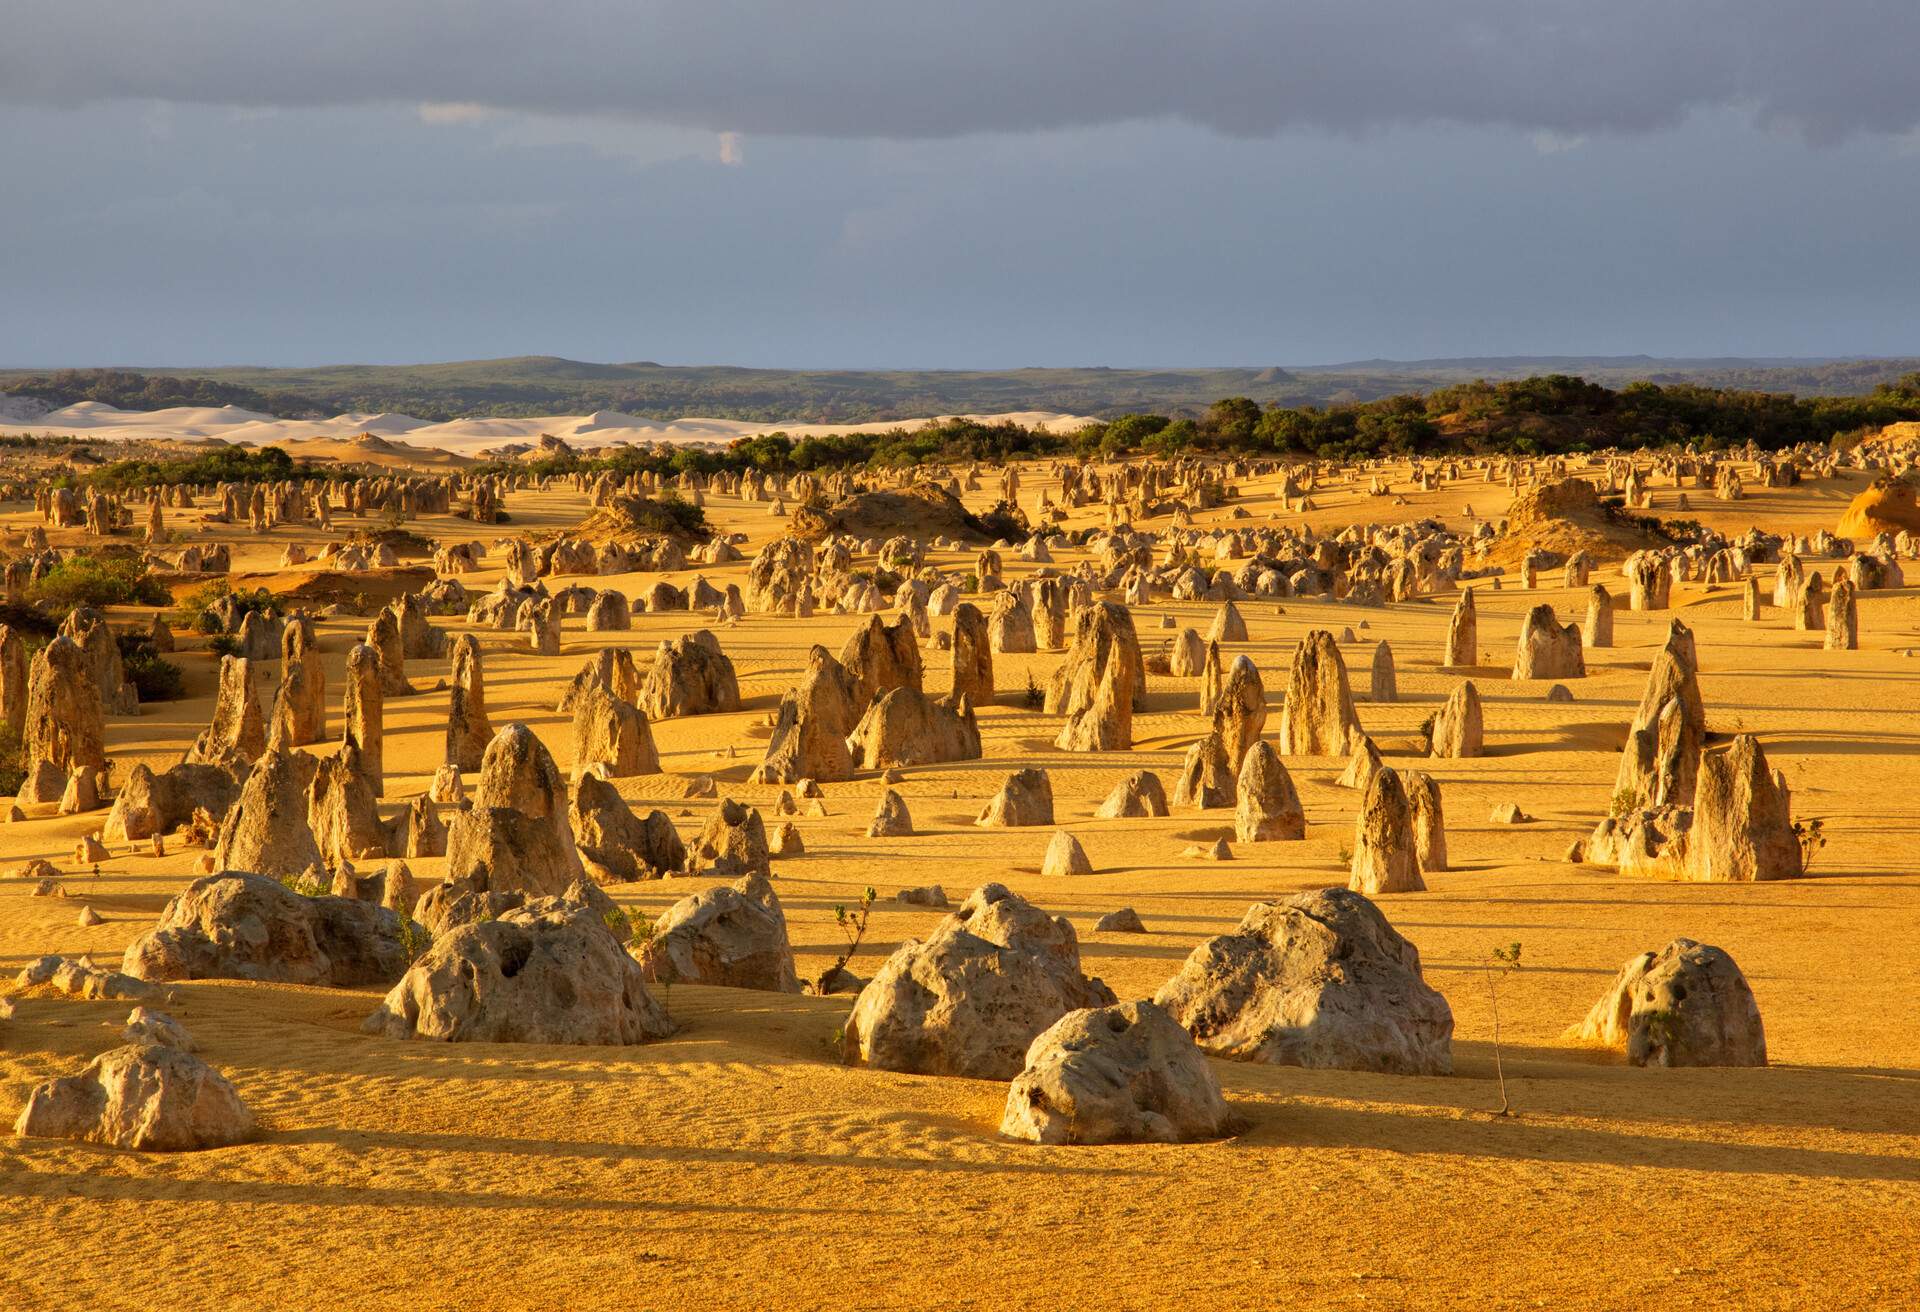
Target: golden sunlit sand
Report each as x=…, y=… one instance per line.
x=739, y=1163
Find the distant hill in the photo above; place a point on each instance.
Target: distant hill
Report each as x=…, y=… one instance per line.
x=536, y=385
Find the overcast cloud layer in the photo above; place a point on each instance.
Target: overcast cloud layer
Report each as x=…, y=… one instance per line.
x=985, y=184
x=895, y=68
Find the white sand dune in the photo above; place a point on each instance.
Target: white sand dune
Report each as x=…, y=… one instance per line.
x=92, y=420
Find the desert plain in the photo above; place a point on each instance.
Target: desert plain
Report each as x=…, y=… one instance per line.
x=742, y=1162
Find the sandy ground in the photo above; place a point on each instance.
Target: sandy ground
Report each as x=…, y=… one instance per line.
x=739, y=1165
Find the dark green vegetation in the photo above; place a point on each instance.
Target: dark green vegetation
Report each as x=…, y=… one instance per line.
x=97, y=580
x=126, y=390
x=267, y=464
x=534, y=385
x=1531, y=416
x=669, y=514
x=196, y=612
x=154, y=677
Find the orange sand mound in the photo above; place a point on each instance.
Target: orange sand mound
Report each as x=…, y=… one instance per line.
x=1889, y=506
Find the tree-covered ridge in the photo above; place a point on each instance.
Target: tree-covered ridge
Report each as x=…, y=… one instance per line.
x=1534, y=416
x=126, y=390
x=537, y=385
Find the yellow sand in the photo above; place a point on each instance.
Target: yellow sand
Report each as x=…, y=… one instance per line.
x=739, y=1165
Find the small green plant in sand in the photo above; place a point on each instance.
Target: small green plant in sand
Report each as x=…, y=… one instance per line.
x=853, y=925
x=1499, y=962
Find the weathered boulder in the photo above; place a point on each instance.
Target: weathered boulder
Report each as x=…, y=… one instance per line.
x=1385, y=685
x=1121, y=1074
x=365, y=725
x=1064, y=856
x=299, y=712
x=689, y=676
x=1385, y=858
x=972, y=655
x=1100, y=683
x=809, y=739
x=1459, y=729
x=734, y=936
x=383, y=636
x=1429, y=821
x=468, y=729
x=548, y=971
x=1685, y=1005
x=341, y=811
x=266, y=830
x=1240, y=713
x=891, y=819
x=146, y=1025
x=1319, y=980
x=1363, y=763
x=611, y=737
x=1548, y=649
x=1463, y=634
x=150, y=803
x=238, y=726
x=734, y=842
x=1207, y=778
x=904, y=726
x=1186, y=655
x=516, y=836
x=1228, y=624
x=1742, y=828
x=1598, y=630
x=1317, y=717
x=616, y=845
x=63, y=722
x=1267, y=807
x=972, y=998
x=1662, y=756
x=1026, y=798
x=147, y=1097
x=881, y=657
x=235, y=925
x=1010, y=628
x=1140, y=794
x=611, y=670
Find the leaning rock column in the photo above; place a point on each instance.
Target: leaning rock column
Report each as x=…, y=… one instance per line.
x=365, y=714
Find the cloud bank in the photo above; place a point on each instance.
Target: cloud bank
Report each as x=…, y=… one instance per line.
x=904, y=69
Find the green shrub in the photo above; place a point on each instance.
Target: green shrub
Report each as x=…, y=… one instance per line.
x=669, y=514
x=88, y=580
x=196, y=611
x=13, y=769
x=153, y=677
x=29, y=621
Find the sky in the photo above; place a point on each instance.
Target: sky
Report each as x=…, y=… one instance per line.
x=986, y=184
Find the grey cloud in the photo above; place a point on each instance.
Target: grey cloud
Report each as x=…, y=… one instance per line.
x=939, y=68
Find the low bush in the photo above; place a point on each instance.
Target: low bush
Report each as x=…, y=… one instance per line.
x=88, y=580
x=196, y=612
x=154, y=677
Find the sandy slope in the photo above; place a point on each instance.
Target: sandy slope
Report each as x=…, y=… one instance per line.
x=739, y=1165
x=90, y=419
